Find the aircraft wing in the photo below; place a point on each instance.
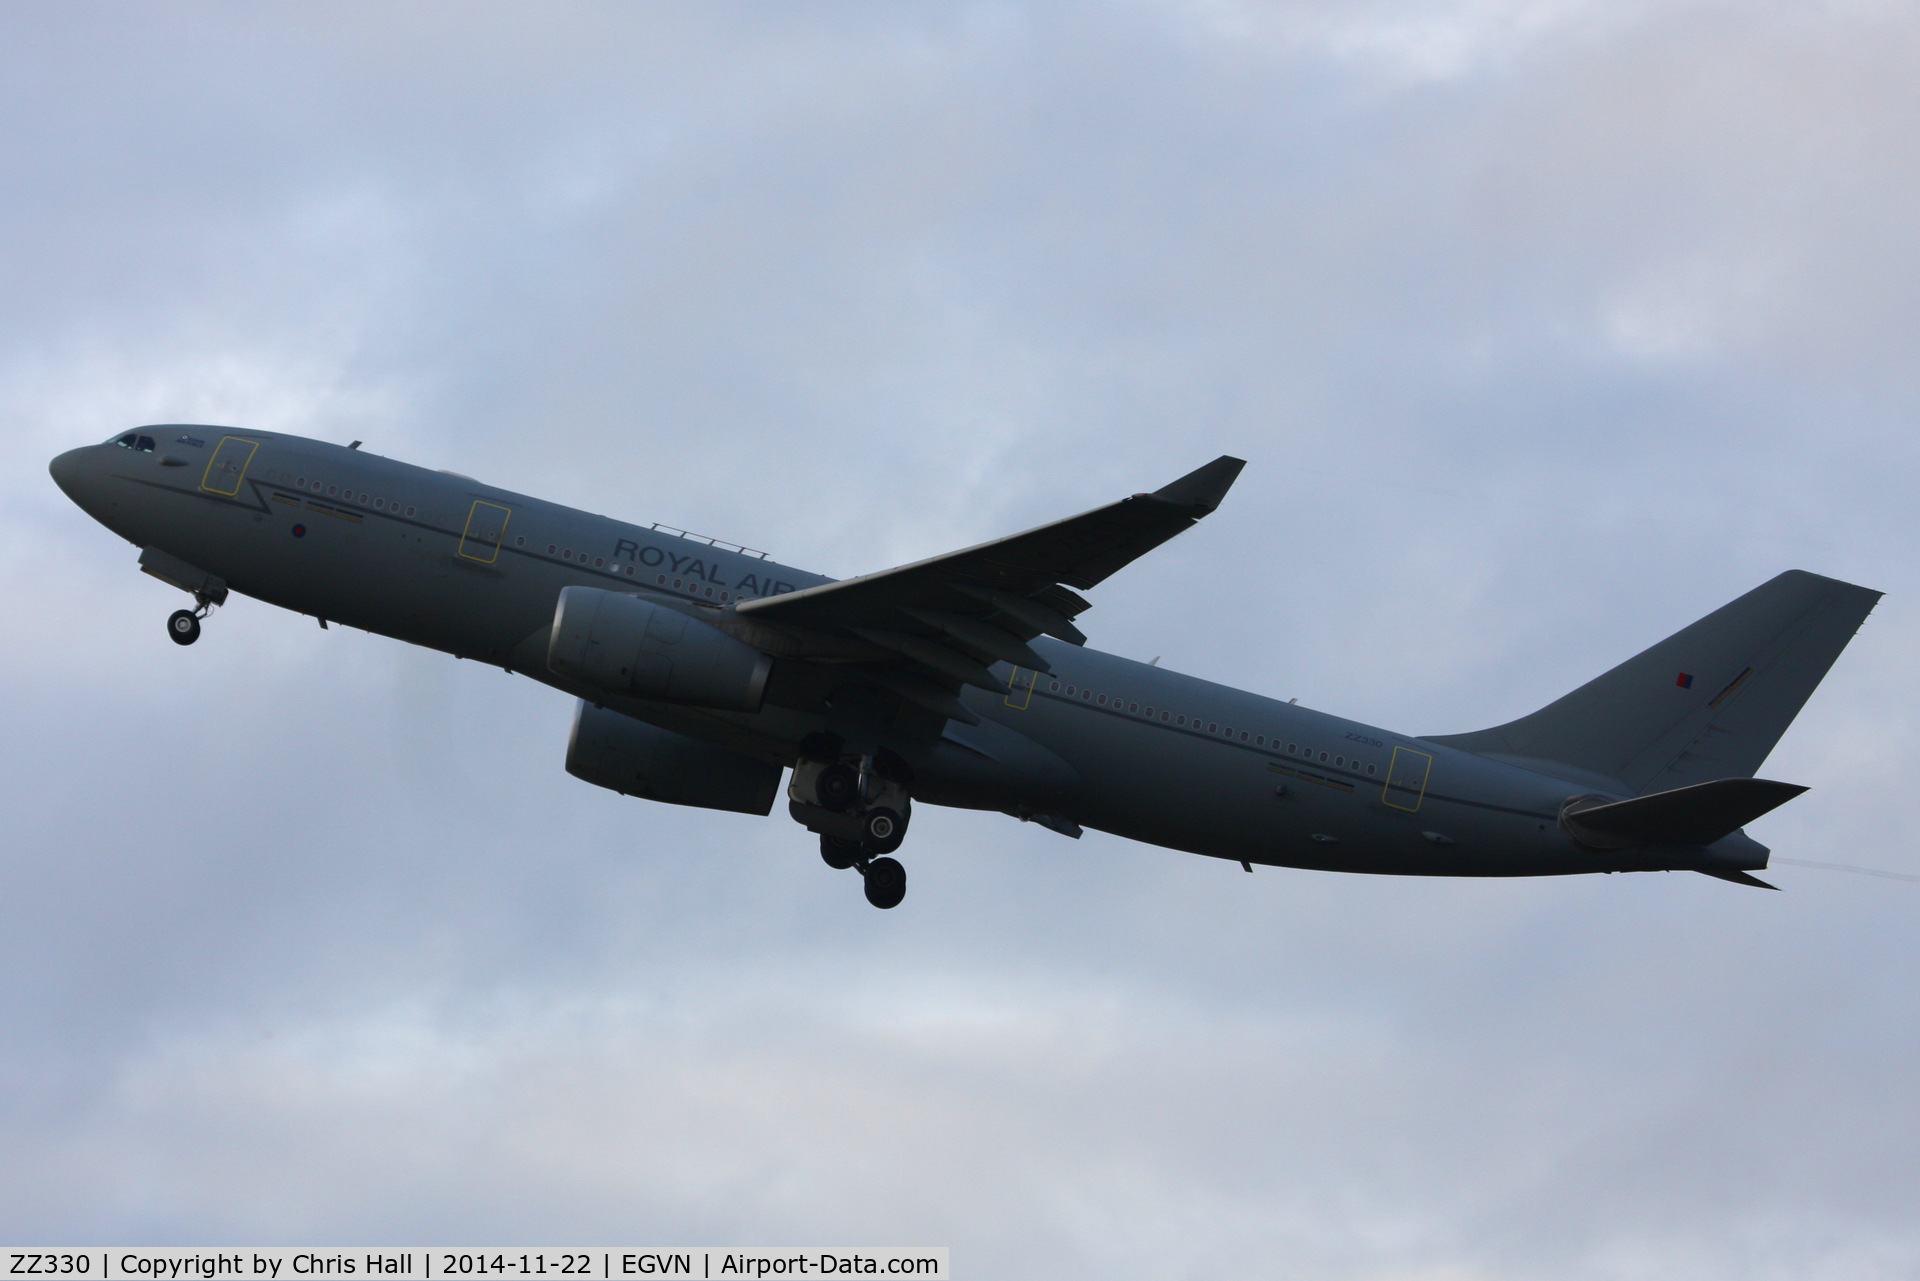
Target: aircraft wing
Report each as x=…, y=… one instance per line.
x=941, y=623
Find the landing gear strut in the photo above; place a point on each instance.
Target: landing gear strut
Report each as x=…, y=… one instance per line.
x=860, y=807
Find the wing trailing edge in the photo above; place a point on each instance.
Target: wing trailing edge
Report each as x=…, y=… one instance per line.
x=944, y=622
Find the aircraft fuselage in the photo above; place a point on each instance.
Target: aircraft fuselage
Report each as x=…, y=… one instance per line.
x=443, y=561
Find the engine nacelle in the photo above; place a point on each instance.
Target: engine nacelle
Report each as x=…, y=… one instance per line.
x=634, y=758
x=631, y=646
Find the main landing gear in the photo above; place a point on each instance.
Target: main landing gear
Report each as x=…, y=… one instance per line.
x=859, y=806
x=183, y=625
x=886, y=879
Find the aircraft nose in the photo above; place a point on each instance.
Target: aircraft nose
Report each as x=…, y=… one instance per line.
x=68, y=470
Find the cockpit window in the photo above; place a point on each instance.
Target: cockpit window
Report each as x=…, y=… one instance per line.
x=144, y=445
x=126, y=441
x=132, y=440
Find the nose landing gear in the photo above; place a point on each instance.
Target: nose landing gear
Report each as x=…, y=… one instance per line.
x=183, y=625
x=860, y=813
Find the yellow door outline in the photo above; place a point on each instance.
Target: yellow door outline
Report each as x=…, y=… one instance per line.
x=1022, y=690
x=1408, y=777
x=224, y=464
x=486, y=537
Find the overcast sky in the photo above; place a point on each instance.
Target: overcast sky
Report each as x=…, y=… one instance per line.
x=1545, y=327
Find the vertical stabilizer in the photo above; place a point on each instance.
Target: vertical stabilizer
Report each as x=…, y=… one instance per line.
x=1708, y=702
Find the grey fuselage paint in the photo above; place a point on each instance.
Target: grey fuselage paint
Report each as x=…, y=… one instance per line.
x=411, y=553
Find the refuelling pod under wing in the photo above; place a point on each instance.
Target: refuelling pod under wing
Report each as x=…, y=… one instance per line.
x=634, y=758
x=631, y=646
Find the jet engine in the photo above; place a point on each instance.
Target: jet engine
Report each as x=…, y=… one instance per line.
x=630, y=646
x=634, y=758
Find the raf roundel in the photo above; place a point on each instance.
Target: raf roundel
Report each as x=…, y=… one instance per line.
x=299, y=531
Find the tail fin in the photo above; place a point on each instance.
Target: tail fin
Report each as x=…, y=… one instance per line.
x=1708, y=702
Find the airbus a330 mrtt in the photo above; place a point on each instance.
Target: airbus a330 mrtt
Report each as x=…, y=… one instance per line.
x=706, y=673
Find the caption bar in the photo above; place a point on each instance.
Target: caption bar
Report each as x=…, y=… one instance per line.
x=417, y=1263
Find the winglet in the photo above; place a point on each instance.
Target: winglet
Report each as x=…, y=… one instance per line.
x=1205, y=487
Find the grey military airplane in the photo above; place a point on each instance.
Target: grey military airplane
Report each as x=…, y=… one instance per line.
x=706, y=673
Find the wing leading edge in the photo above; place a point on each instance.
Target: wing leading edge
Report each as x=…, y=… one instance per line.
x=939, y=624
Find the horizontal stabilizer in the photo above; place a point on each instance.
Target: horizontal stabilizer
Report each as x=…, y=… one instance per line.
x=1697, y=815
x=1738, y=878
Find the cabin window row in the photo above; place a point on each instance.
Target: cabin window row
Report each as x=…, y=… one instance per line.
x=1182, y=721
x=689, y=585
x=349, y=495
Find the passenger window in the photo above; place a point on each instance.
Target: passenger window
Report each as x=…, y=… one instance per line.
x=1103, y=700
x=1134, y=707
